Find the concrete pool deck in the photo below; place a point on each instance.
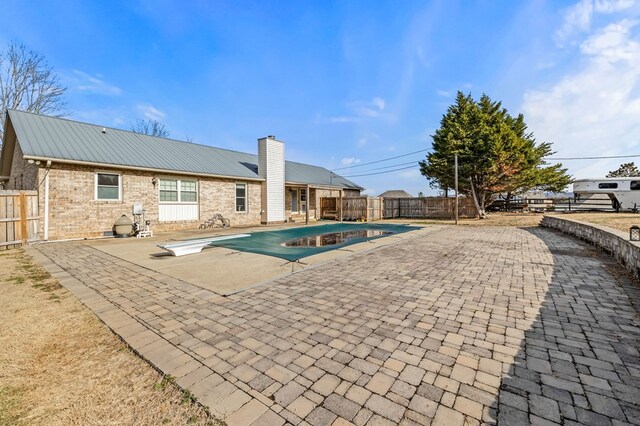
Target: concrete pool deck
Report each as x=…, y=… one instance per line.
x=451, y=327
x=222, y=270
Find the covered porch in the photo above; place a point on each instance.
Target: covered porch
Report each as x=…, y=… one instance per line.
x=302, y=201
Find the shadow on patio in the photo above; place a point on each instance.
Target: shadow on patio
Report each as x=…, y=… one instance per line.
x=579, y=362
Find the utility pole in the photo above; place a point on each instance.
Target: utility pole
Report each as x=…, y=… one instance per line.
x=456, y=180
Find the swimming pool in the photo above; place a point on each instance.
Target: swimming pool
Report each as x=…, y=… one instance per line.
x=296, y=243
x=334, y=238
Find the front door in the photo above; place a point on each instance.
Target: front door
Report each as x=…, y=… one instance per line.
x=294, y=201
x=303, y=201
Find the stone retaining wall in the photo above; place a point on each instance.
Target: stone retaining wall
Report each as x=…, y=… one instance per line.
x=615, y=243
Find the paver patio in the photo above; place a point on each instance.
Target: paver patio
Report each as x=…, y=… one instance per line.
x=459, y=326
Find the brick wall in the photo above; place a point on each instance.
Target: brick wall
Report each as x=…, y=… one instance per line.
x=219, y=196
x=615, y=243
x=74, y=212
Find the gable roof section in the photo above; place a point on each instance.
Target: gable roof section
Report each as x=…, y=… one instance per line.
x=72, y=141
x=396, y=193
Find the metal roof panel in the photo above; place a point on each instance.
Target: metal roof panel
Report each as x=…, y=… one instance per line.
x=51, y=137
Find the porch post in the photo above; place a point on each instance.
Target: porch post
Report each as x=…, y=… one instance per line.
x=308, y=203
x=341, y=205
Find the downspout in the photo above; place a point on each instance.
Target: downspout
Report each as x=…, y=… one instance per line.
x=46, y=201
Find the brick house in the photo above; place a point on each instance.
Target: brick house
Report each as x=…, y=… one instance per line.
x=87, y=176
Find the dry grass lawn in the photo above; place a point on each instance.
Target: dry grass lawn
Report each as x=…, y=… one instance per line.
x=60, y=365
x=619, y=221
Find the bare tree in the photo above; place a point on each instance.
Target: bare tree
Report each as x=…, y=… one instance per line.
x=28, y=83
x=150, y=127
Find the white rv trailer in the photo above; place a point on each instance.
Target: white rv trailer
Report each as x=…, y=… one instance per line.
x=623, y=191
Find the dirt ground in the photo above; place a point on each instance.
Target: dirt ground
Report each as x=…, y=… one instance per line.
x=60, y=365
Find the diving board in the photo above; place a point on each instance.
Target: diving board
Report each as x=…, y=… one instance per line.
x=182, y=248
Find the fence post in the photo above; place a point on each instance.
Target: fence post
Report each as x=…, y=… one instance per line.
x=569, y=203
x=23, y=217
x=456, y=183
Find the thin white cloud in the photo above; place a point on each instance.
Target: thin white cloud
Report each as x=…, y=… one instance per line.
x=348, y=161
x=363, y=109
x=379, y=103
x=84, y=82
x=116, y=116
x=576, y=18
x=367, y=139
x=593, y=111
x=151, y=112
x=612, y=44
x=372, y=108
x=444, y=93
x=610, y=6
x=343, y=119
x=579, y=17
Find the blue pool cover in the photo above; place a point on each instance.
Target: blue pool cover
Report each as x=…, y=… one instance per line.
x=271, y=243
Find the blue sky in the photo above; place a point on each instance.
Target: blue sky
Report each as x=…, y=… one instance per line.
x=347, y=82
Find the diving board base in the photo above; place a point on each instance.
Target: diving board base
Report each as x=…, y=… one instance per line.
x=183, y=248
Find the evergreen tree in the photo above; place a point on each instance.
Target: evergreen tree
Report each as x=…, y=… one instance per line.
x=625, y=170
x=496, y=153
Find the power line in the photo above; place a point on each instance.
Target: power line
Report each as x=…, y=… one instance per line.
x=379, y=173
x=391, y=166
x=414, y=163
x=384, y=159
x=591, y=158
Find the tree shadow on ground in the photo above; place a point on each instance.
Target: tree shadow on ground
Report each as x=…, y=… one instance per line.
x=579, y=362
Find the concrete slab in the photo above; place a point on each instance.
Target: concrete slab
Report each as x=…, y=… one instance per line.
x=221, y=270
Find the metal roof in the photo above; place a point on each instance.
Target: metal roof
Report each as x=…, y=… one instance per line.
x=57, y=138
x=395, y=193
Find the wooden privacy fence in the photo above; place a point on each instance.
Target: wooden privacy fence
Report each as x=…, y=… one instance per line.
x=18, y=218
x=376, y=208
x=358, y=208
x=428, y=208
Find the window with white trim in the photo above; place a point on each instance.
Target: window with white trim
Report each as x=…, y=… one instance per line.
x=241, y=197
x=178, y=191
x=108, y=187
x=188, y=191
